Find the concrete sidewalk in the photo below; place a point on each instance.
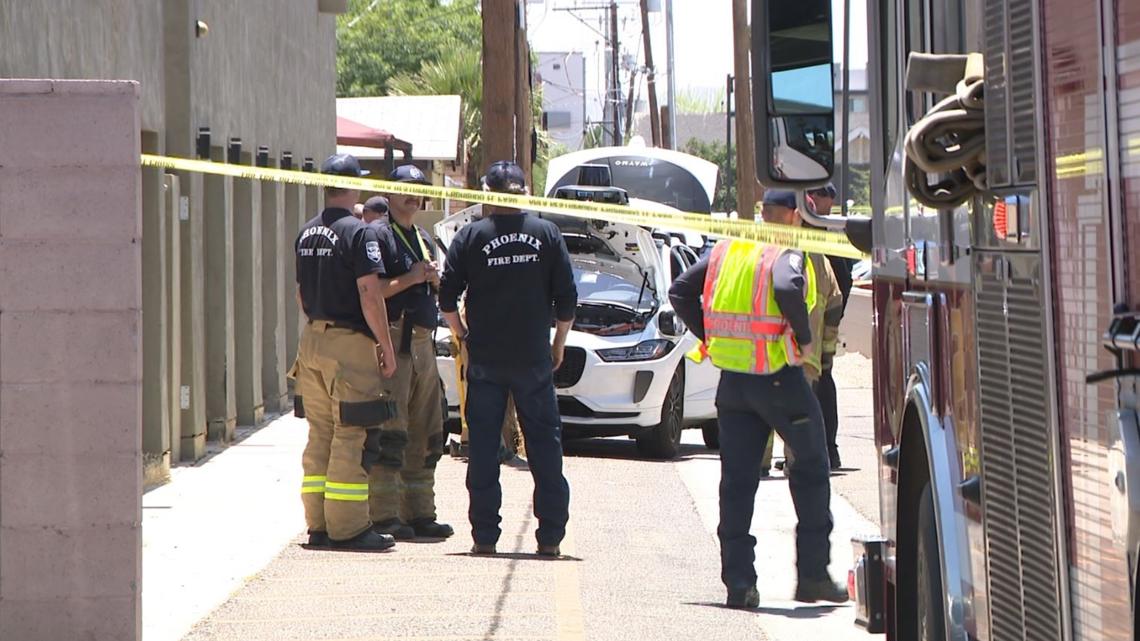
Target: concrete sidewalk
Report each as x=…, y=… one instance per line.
x=216, y=524
x=223, y=561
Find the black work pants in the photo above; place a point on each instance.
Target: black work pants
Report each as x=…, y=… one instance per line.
x=829, y=406
x=749, y=407
x=537, y=408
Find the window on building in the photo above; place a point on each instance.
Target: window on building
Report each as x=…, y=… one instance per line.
x=857, y=104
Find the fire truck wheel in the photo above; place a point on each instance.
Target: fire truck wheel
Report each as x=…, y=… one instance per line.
x=710, y=430
x=930, y=618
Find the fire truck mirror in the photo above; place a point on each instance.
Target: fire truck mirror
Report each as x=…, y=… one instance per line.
x=792, y=92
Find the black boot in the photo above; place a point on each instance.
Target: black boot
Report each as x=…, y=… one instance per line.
x=431, y=529
x=812, y=590
x=318, y=539
x=366, y=541
x=743, y=598
x=394, y=528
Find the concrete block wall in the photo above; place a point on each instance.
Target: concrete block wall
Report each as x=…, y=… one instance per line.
x=70, y=361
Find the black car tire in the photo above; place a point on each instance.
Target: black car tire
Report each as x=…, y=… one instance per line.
x=710, y=430
x=664, y=441
x=929, y=617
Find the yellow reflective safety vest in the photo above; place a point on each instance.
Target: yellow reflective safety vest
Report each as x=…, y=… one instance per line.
x=745, y=331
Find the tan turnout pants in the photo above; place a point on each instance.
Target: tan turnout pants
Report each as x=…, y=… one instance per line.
x=339, y=387
x=407, y=490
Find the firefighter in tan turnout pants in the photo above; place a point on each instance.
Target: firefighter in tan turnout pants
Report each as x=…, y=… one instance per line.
x=403, y=490
x=344, y=350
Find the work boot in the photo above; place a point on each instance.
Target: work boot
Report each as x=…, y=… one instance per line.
x=765, y=473
x=318, y=539
x=430, y=529
x=394, y=528
x=483, y=548
x=366, y=541
x=779, y=465
x=835, y=462
x=743, y=598
x=812, y=590
x=549, y=550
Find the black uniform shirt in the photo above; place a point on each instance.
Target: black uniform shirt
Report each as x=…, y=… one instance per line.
x=517, y=274
x=402, y=249
x=333, y=250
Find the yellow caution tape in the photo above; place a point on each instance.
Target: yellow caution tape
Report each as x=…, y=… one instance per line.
x=809, y=240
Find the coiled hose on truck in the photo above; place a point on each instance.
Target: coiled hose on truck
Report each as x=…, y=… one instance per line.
x=950, y=140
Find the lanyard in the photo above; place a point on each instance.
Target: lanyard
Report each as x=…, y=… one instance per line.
x=408, y=244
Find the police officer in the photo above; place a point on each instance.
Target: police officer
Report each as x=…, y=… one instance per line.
x=823, y=200
x=403, y=492
x=753, y=321
x=344, y=350
x=516, y=271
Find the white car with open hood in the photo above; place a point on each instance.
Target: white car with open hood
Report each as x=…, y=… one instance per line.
x=625, y=371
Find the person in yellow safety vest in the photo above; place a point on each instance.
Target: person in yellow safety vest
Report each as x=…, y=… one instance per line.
x=825, y=311
x=747, y=304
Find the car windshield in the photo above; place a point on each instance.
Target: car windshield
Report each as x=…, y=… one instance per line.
x=621, y=284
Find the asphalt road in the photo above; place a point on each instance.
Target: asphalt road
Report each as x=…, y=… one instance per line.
x=641, y=559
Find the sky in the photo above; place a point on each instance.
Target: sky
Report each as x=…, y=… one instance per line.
x=702, y=39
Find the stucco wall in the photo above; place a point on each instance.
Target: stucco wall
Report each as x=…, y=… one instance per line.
x=268, y=81
x=112, y=39
x=265, y=72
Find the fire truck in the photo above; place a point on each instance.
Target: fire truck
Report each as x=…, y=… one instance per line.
x=1006, y=288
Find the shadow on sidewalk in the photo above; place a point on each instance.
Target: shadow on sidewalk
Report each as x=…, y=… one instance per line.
x=801, y=611
x=619, y=448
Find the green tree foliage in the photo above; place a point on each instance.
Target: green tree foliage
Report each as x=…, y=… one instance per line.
x=460, y=72
x=715, y=152
x=378, y=40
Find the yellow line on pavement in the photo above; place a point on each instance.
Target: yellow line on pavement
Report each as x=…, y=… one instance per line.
x=568, y=595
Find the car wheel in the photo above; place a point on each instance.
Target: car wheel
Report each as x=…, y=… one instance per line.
x=929, y=619
x=664, y=440
x=710, y=430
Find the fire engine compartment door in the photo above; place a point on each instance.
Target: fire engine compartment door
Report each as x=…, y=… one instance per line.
x=1124, y=474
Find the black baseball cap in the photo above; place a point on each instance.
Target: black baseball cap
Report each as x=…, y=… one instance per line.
x=780, y=197
x=378, y=204
x=343, y=165
x=409, y=174
x=505, y=177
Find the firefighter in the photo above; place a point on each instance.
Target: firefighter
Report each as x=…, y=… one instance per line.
x=374, y=210
x=403, y=496
x=746, y=302
x=823, y=199
x=344, y=350
x=516, y=271
x=825, y=311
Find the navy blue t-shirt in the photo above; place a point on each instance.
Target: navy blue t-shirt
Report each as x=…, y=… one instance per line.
x=517, y=275
x=402, y=248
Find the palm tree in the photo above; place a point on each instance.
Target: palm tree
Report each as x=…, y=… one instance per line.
x=459, y=73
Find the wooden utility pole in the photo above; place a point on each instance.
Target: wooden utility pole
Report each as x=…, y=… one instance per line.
x=524, y=121
x=747, y=187
x=615, y=71
x=654, y=113
x=500, y=55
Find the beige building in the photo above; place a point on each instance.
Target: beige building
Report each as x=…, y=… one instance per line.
x=244, y=82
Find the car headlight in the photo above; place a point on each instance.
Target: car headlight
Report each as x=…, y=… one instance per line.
x=443, y=348
x=644, y=351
